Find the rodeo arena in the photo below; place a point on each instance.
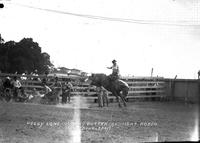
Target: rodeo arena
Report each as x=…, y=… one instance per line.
x=80, y=107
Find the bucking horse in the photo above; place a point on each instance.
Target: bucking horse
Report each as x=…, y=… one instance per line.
x=118, y=88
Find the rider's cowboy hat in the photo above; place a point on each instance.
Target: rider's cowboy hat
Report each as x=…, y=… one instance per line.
x=114, y=61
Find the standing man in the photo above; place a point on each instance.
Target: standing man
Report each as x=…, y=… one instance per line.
x=102, y=96
x=66, y=96
x=7, y=86
x=69, y=88
x=17, y=88
x=115, y=70
x=199, y=74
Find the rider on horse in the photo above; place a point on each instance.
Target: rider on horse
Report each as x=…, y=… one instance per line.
x=115, y=70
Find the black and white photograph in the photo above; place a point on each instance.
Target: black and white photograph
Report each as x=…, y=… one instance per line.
x=99, y=71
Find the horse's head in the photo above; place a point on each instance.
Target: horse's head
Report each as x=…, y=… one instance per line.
x=91, y=79
x=94, y=79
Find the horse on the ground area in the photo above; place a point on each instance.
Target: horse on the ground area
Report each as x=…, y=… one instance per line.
x=116, y=86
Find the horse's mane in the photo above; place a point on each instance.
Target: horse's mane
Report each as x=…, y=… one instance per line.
x=101, y=79
x=99, y=74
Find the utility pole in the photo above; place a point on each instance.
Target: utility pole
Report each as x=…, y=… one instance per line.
x=152, y=72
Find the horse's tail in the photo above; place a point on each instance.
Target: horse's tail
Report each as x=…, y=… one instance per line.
x=124, y=84
x=124, y=88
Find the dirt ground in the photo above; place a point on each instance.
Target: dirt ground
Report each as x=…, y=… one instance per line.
x=83, y=121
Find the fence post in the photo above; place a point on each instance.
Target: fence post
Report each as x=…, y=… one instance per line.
x=199, y=89
x=173, y=88
x=187, y=91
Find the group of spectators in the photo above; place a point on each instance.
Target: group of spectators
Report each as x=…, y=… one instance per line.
x=11, y=87
x=35, y=74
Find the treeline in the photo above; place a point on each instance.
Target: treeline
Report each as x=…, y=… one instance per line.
x=22, y=56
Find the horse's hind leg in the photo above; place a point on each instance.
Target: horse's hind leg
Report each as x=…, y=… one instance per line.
x=116, y=94
x=123, y=100
x=124, y=95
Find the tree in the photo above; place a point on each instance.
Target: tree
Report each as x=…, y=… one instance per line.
x=1, y=39
x=24, y=55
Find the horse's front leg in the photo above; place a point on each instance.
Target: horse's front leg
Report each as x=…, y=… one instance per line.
x=124, y=101
x=124, y=95
x=116, y=94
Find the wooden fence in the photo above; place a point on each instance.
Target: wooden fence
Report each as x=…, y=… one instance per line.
x=145, y=87
x=140, y=87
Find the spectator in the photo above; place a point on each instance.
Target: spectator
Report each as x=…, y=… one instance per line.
x=17, y=88
x=70, y=89
x=7, y=86
x=199, y=74
x=102, y=96
x=45, y=79
x=7, y=83
x=24, y=75
x=66, y=96
x=35, y=73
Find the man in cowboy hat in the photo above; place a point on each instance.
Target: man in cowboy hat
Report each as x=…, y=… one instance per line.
x=115, y=70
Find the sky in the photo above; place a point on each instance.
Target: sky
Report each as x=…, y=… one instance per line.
x=89, y=34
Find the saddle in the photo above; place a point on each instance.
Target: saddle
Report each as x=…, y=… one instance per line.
x=113, y=80
x=113, y=77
